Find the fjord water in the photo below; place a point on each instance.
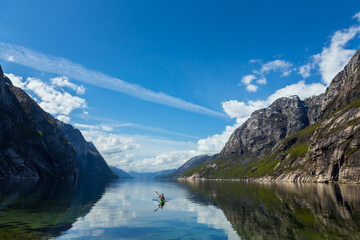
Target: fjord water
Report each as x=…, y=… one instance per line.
x=125, y=209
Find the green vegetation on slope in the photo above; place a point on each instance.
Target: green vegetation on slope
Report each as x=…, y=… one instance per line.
x=247, y=166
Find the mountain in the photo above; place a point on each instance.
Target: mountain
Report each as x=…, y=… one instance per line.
x=266, y=127
x=150, y=175
x=279, y=146
x=90, y=162
x=121, y=173
x=31, y=143
x=192, y=162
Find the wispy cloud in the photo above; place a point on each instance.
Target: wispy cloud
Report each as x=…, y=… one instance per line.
x=64, y=82
x=119, y=124
x=277, y=65
x=62, y=66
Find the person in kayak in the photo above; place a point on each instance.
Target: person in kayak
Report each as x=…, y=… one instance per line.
x=162, y=200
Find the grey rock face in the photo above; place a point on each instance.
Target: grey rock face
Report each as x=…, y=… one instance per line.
x=266, y=127
x=313, y=105
x=333, y=153
x=192, y=162
x=31, y=144
x=90, y=162
x=344, y=88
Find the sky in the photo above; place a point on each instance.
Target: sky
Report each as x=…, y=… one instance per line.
x=154, y=83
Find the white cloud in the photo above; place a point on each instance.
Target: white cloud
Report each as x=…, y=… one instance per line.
x=166, y=160
x=63, y=118
x=64, y=82
x=261, y=81
x=251, y=88
x=42, y=62
x=59, y=103
x=136, y=152
x=255, y=61
x=276, y=65
x=333, y=59
x=17, y=81
x=236, y=109
x=54, y=101
x=105, y=128
x=287, y=73
x=111, y=146
x=248, y=79
x=304, y=70
x=86, y=126
x=215, y=143
x=357, y=16
x=11, y=59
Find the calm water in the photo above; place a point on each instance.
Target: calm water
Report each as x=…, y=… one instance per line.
x=128, y=209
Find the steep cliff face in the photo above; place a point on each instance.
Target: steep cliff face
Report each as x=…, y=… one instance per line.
x=327, y=150
x=192, y=162
x=313, y=105
x=31, y=143
x=332, y=150
x=258, y=135
x=343, y=89
x=90, y=162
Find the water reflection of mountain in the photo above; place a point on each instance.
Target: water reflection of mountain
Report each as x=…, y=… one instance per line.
x=42, y=210
x=286, y=211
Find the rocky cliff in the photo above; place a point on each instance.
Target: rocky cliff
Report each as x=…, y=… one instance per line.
x=327, y=150
x=90, y=162
x=31, y=143
x=192, y=162
x=266, y=127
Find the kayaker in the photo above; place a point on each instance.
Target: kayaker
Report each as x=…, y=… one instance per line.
x=162, y=200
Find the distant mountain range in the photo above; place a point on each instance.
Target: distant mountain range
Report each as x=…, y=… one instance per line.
x=150, y=175
x=192, y=162
x=121, y=173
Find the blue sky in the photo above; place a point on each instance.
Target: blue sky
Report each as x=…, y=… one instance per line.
x=153, y=83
